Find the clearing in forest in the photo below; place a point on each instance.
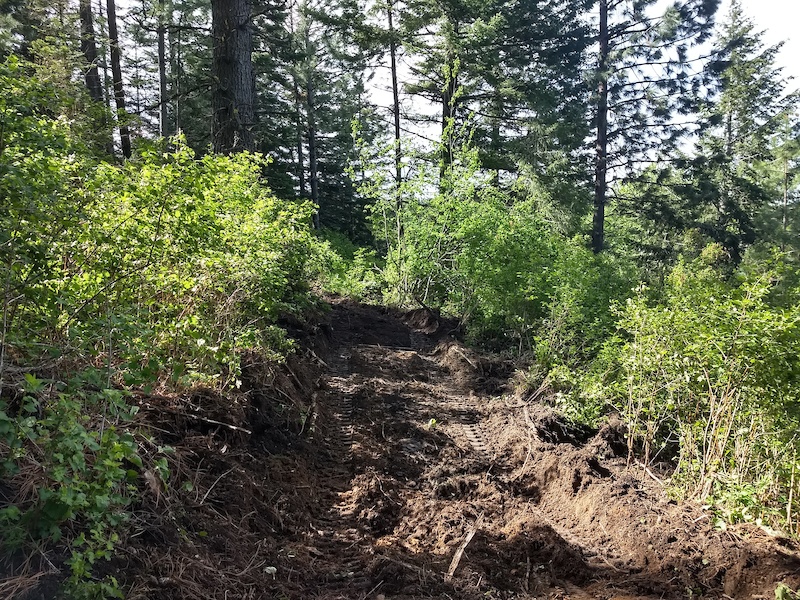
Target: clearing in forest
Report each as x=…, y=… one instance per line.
x=412, y=475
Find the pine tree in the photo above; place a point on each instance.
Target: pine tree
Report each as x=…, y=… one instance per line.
x=745, y=116
x=327, y=85
x=645, y=82
x=531, y=98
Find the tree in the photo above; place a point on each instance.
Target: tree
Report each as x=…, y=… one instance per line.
x=530, y=99
x=746, y=121
x=191, y=58
x=233, y=92
x=327, y=88
x=163, y=94
x=643, y=78
x=393, y=46
x=89, y=49
x=116, y=72
x=512, y=72
x=21, y=21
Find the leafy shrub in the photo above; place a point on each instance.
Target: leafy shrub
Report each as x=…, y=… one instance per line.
x=346, y=269
x=85, y=472
x=489, y=257
x=711, y=370
x=113, y=276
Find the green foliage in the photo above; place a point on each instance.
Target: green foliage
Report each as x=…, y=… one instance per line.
x=167, y=258
x=164, y=268
x=348, y=269
x=489, y=257
x=784, y=592
x=85, y=471
x=708, y=374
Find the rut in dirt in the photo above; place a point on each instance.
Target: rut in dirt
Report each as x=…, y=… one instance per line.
x=436, y=484
x=388, y=461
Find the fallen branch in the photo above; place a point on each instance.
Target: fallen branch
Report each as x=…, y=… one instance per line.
x=460, y=552
x=149, y=407
x=530, y=423
x=652, y=475
x=466, y=358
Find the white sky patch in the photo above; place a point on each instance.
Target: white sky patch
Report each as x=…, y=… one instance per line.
x=780, y=20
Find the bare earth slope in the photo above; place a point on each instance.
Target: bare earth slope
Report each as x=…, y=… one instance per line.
x=413, y=477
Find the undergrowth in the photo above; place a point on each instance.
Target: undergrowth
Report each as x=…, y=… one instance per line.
x=160, y=273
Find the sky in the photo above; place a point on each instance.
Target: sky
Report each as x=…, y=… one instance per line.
x=780, y=19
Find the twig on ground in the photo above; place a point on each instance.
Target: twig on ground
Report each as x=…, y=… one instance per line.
x=460, y=552
x=527, y=582
x=149, y=407
x=652, y=475
x=369, y=593
x=530, y=422
x=214, y=484
x=466, y=358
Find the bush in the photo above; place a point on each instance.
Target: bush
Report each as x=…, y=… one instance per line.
x=115, y=276
x=346, y=269
x=489, y=257
x=710, y=372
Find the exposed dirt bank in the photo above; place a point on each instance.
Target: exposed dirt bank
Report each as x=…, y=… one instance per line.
x=412, y=476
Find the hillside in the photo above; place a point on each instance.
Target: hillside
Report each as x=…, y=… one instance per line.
x=415, y=475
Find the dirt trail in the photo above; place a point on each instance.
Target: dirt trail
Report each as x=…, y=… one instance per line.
x=414, y=477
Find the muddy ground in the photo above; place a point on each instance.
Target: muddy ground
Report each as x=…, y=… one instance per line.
x=392, y=462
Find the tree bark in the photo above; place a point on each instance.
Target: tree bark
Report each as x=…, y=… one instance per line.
x=311, y=124
x=163, y=113
x=312, y=147
x=234, y=82
x=785, y=217
x=116, y=73
x=301, y=163
x=601, y=147
x=299, y=128
x=495, y=142
x=176, y=68
x=89, y=50
x=398, y=164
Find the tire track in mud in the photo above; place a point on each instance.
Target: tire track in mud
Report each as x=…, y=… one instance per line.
x=333, y=539
x=341, y=437
x=472, y=430
x=365, y=373
x=417, y=451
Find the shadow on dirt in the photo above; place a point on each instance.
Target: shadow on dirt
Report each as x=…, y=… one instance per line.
x=381, y=463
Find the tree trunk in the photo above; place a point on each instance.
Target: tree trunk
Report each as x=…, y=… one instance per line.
x=313, y=175
x=301, y=163
x=785, y=217
x=176, y=68
x=234, y=82
x=299, y=128
x=448, y=115
x=89, y=50
x=312, y=147
x=107, y=85
x=398, y=163
x=116, y=73
x=163, y=114
x=601, y=148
